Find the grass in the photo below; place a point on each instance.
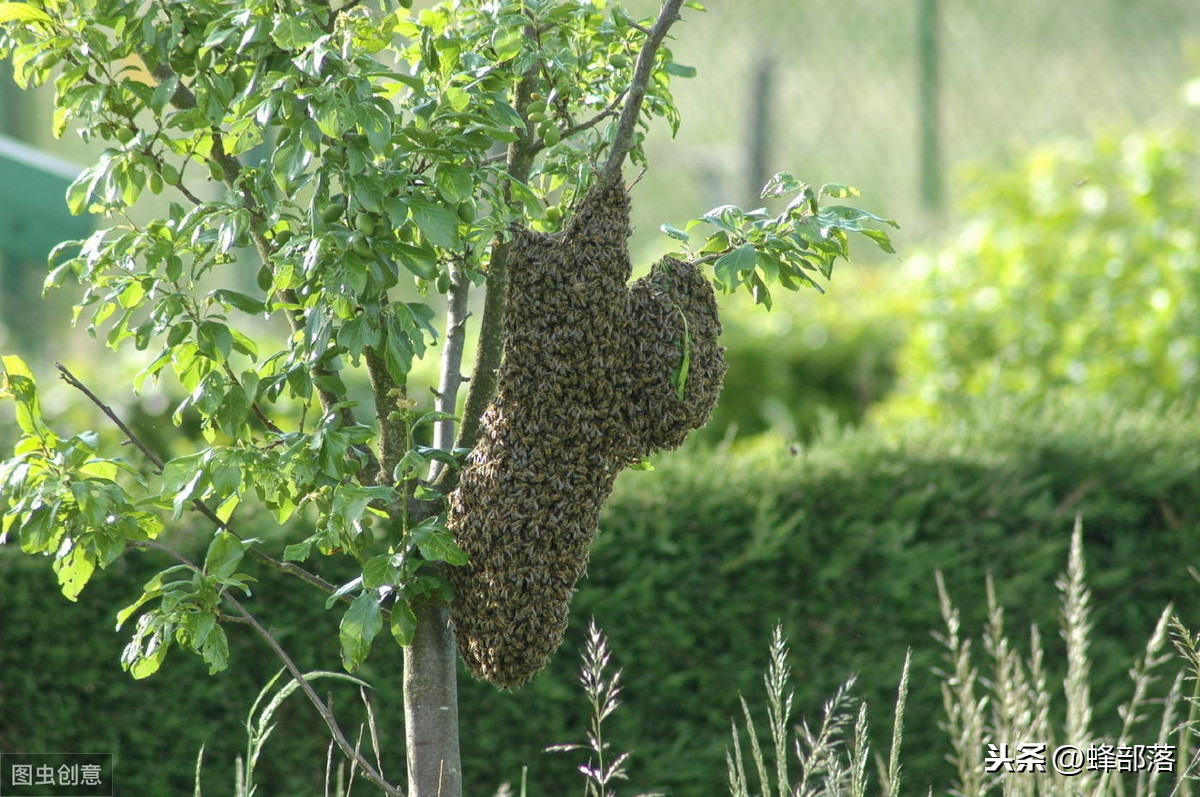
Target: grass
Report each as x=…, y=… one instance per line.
x=995, y=704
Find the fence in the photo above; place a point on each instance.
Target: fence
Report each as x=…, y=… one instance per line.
x=894, y=95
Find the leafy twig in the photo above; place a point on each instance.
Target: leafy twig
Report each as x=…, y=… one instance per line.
x=291, y=568
x=623, y=141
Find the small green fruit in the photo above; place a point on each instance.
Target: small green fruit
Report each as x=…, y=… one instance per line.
x=466, y=212
x=364, y=222
x=550, y=134
x=537, y=116
x=156, y=183
x=264, y=278
x=359, y=245
x=170, y=174
x=332, y=211
x=283, y=236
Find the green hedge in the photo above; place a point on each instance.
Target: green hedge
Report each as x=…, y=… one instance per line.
x=696, y=563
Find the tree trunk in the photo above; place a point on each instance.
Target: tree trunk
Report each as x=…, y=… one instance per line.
x=431, y=704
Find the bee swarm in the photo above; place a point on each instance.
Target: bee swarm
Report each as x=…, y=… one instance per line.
x=597, y=375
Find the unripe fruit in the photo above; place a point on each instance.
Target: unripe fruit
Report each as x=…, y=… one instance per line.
x=537, y=107
x=156, y=183
x=283, y=236
x=364, y=222
x=263, y=278
x=550, y=134
x=466, y=212
x=537, y=116
x=332, y=211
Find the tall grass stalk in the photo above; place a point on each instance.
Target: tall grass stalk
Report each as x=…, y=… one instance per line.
x=832, y=760
x=602, y=688
x=1008, y=703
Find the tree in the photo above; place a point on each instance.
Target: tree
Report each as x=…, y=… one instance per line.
x=341, y=153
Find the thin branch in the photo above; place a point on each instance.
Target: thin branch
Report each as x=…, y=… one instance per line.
x=244, y=616
x=291, y=568
x=588, y=124
x=74, y=382
x=623, y=141
x=452, y=356
x=350, y=751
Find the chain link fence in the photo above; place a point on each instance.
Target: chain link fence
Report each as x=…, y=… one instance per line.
x=894, y=96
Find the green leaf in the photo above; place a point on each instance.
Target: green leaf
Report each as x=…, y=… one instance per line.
x=16, y=382
x=299, y=551
x=438, y=224
x=74, y=569
x=215, y=650
x=437, y=544
x=676, y=233
x=454, y=183
x=730, y=267
x=404, y=623
x=22, y=12
x=214, y=340
x=359, y=626
x=247, y=304
x=224, y=555
x=839, y=191
x=679, y=70
x=290, y=33
x=379, y=571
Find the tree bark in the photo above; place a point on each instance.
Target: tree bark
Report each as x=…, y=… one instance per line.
x=431, y=704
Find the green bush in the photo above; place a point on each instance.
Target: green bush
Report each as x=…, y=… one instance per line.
x=696, y=563
x=1077, y=268
x=812, y=357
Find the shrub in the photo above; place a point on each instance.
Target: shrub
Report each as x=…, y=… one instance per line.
x=695, y=565
x=813, y=357
x=1079, y=268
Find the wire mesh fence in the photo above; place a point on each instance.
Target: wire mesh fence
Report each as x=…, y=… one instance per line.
x=895, y=96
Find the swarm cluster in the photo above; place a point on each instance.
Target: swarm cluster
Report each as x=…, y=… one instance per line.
x=597, y=374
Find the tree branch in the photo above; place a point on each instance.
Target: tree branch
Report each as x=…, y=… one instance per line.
x=291, y=568
x=451, y=369
x=231, y=169
x=393, y=429
x=350, y=751
x=518, y=167
x=244, y=616
x=71, y=380
x=623, y=141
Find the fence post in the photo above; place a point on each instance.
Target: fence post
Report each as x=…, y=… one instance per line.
x=758, y=136
x=929, y=104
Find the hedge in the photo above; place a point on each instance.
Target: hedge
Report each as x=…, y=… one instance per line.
x=697, y=561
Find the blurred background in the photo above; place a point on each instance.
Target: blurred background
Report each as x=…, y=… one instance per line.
x=1031, y=353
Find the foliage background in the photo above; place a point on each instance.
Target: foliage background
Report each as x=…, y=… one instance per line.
x=839, y=540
